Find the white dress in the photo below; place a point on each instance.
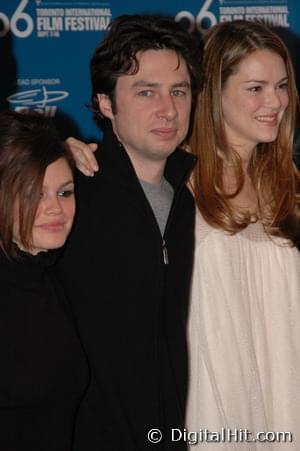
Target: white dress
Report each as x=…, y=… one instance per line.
x=244, y=339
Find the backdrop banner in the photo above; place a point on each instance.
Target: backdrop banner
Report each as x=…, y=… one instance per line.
x=46, y=46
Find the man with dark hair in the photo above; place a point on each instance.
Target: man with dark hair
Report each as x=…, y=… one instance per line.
x=127, y=266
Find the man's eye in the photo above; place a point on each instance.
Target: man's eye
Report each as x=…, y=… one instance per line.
x=145, y=93
x=178, y=93
x=66, y=193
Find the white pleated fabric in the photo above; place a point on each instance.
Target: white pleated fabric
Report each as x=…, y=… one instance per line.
x=244, y=338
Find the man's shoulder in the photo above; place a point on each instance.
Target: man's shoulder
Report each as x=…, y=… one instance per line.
x=179, y=167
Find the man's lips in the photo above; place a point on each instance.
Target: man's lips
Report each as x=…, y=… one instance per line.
x=164, y=132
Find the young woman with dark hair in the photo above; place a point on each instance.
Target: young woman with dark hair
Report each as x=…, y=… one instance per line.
x=43, y=368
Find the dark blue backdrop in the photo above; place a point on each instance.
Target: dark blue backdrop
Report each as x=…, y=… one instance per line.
x=46, y=46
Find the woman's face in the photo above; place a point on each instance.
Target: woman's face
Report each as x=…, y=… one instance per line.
x=254, y=99
x=56, y=209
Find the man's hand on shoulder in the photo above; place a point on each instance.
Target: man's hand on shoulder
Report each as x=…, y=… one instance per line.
x=83, y=155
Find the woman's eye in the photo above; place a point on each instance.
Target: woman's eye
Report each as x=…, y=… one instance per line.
x=255, y=88
x=283, y=86
x=66, y=193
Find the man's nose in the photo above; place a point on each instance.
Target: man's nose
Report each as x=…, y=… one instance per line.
x=167, y=108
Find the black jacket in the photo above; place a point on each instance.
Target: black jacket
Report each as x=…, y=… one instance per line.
x=131, y=307
x=43, y=368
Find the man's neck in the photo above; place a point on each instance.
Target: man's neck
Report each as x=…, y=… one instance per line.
x=150, y=174
x=150, y=171
x=147, y=169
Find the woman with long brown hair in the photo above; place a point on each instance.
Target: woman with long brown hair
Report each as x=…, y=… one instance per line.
x=243, y=330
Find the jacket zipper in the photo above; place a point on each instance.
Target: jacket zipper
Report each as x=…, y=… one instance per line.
x=165, y=253
x=164, y=244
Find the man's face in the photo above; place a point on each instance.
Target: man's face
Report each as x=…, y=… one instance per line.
x=152, y=107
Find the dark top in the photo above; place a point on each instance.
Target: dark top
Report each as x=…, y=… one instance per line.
x=129, y=304
x=43, y=368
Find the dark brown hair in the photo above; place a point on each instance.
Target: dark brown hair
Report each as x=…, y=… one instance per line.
x=29, y=142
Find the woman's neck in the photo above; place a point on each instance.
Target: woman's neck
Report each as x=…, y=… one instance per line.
x=246, y=199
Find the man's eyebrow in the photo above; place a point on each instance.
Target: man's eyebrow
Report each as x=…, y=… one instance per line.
x=149, y=84
x=144, y=83
x=182, y=84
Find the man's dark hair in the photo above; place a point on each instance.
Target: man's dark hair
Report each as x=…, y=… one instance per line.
x=128, y=35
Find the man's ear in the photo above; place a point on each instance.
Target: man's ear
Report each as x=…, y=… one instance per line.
x=105, y=105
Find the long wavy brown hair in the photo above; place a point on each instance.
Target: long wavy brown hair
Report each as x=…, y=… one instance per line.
x=271, y=169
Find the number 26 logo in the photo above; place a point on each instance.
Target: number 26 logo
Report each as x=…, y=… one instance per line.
x=203, y=14
x=20, y=24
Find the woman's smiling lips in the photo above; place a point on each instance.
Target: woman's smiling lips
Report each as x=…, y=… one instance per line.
x=268, y=119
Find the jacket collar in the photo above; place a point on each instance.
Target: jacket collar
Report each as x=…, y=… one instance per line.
x=115, y=162
x=26, y=269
